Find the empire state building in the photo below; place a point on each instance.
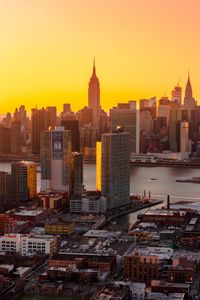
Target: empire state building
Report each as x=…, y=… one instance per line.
x=94, y=97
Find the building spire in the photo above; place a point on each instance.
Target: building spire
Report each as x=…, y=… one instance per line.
x=94, y=67
x=188, y=90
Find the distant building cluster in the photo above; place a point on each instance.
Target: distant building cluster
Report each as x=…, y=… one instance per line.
x=155, y=125
x=164, y=129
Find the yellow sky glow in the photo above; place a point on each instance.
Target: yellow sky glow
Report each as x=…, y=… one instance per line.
x=142, y=49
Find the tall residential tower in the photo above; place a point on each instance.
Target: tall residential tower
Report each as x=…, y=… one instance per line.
x=113, y=157
x=56, y=159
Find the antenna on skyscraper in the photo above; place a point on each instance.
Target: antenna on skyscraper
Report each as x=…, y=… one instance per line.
x=94, y=66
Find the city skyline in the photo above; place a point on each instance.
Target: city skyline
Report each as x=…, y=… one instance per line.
x=54, y=44
x=60, y=107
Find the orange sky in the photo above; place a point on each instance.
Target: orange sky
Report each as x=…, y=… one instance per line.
x=142, y=49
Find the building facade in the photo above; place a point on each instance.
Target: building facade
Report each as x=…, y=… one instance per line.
x=76, y=173
x=114, y=165
x=21, y=184
x=94, y=98
x=73, y=125
x=127, y=118
x=24, y=244
x=56, y=159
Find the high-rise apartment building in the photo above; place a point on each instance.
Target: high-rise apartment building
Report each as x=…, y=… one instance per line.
x=76, y=173
x=21, y=184
x=114, y=167
x=56, y=159
x=98, y=165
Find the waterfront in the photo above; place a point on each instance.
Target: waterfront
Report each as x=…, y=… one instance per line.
x=141, y=179
x=123, y=222
x=164, y=184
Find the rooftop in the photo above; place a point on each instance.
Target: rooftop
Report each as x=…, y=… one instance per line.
x=165, y=212
x=102, y=233
x=162, y=296
x=28, y=213
x=169, y=284
x=160, y=252
x=81, y=256
x=110, y=292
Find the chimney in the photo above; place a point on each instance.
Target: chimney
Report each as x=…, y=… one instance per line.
x=168, y=201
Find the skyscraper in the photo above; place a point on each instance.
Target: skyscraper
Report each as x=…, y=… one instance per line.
x=146, y=121
x=177, y=94
x=98, y=166
x=126, y=117
x=174, y=129
x=52, y=115
x=184, y=137
x=55, y=159
x=22, y=182
x=40, y=120
x=189, y=101
x=73, y=126
x=3, y=185
x=76, y=173
x=16, y=137
x=5, y=139
x=85, y=116
x=114, y=169
x=94, y=97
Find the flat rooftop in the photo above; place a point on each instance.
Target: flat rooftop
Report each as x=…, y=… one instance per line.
x=82, y=256
x=165, y=212
x=162, y=296
x=160, y=252
x=28, y=213
x=102, y=233
x=113, y=292
x=189, y=255
x=169, y=284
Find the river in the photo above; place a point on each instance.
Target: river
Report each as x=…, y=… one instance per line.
x=165, y=183
x=140, y=180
